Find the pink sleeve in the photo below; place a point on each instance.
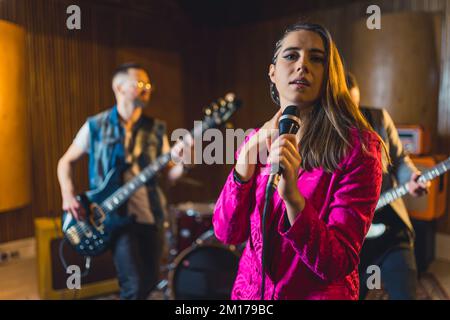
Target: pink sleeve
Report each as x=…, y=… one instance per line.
x=231, y=219
x=331, y=249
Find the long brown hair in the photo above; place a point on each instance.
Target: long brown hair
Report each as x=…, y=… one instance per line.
x=332, y=115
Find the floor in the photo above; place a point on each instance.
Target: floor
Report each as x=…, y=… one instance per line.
x=441, y=270
x=18, y=279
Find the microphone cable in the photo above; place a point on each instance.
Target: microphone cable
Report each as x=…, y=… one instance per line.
x=289, y=123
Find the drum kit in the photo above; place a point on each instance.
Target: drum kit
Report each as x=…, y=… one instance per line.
x=198, y=265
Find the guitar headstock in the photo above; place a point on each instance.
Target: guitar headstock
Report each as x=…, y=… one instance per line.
x=447, y=162
x=219, y=111
x=443, y=166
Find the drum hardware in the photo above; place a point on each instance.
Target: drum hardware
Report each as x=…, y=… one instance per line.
x=206, y=270
x=198, y=266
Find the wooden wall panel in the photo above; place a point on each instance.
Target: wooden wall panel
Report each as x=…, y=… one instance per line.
x=397, y=68
x=15, y=183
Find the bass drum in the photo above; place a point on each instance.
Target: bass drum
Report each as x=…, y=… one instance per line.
x=205, y=271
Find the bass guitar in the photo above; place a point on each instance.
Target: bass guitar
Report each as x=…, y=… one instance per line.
x=92, y=235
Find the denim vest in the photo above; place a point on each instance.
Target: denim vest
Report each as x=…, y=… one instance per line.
x=107, y=152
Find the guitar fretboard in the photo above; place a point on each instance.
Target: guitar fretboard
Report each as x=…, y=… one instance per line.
x=121, y=195
x=398, y=192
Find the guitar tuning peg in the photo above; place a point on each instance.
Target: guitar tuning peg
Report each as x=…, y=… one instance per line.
x=229, y=125
x=215, y=106
x=230, y=97
x=222, y=102
x=207, y=111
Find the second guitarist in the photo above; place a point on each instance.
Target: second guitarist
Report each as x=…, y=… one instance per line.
x=123, y=135
x=393, y=252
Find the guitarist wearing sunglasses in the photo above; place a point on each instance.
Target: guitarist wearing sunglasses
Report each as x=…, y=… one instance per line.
x=123, y=136
x=393, y=251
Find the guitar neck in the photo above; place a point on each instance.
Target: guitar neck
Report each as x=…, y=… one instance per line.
x=398, y=192
x=121, y=195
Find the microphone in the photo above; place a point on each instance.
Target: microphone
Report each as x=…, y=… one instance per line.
x=289, y=123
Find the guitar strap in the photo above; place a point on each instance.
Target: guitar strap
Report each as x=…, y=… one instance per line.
x=373, y=116
x=130, y=140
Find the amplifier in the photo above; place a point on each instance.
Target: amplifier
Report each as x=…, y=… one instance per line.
x=52, y=276
x=433, y=204
x=415, y=140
